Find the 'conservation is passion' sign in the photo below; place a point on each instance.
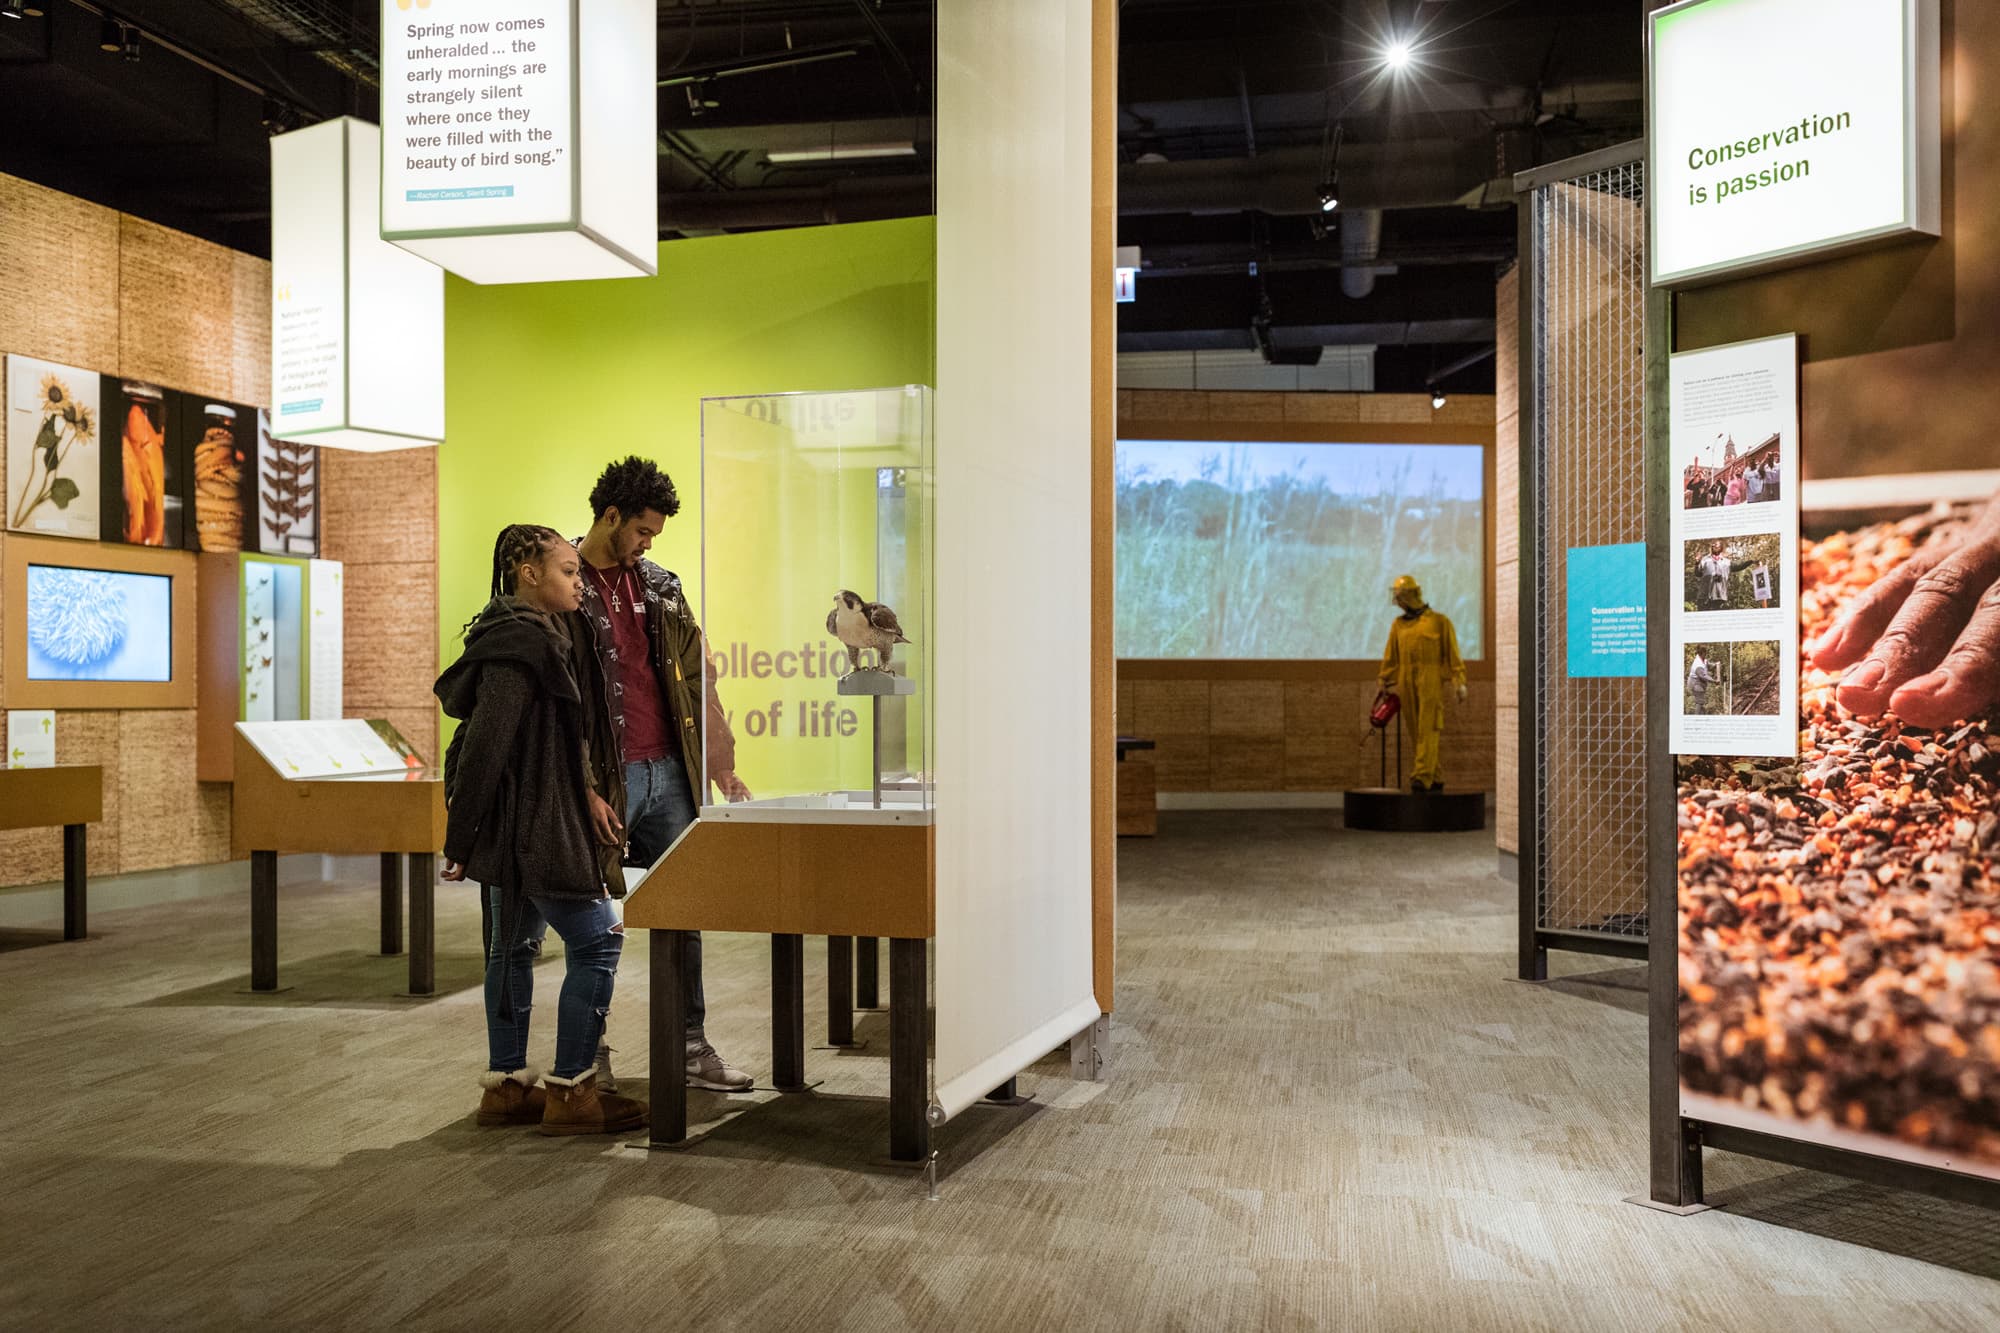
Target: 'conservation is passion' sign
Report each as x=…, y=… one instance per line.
x=1783, y=130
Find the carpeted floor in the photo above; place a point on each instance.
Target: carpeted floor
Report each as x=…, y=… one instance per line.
x=1328, y=1106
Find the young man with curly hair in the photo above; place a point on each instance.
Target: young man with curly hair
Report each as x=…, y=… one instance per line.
x=662, y=714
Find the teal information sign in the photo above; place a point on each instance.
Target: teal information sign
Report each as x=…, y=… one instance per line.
x=1607, y=610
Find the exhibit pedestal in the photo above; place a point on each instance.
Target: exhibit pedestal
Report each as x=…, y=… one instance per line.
x=1387, y=810
x=397, y=814
x=845, y=881
x=68, y=796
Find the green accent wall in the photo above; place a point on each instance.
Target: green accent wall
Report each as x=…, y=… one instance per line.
x=546, y=383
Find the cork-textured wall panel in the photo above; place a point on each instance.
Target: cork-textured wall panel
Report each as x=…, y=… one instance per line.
x=176, y=309
x=1301, y=735
x=251, y=329
x=58, y=276
x=89, y=287
x=391, y=634
x=159, y=800
x=1302, y=409
x=381, y=508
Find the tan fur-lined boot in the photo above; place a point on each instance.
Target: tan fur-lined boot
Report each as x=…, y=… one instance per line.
x=510, y=1099
x=578, y=1106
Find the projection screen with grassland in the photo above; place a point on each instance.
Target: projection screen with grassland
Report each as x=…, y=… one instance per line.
x=1286, y=551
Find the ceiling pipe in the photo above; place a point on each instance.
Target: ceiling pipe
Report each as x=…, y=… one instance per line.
x=1360, y=249
x=1429, y=173
x=849, y=199
x=1378, y=333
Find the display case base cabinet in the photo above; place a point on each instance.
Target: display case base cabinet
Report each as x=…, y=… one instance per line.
x=840, y=990
x=263, y=921
x=423, y=919
x=423, y=923
x=392, y=904
x=788, y=1013
x=76, y=881
x=867, y=973
x=909, y=1101
x=65, y=796
x=667, y=1020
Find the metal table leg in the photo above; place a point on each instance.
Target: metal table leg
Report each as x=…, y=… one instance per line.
x=788, y=1013
x=840, y=990
x=392, y=904
x=909, y=1104
x=423, y=923
x=667, y=1038
x=263, y=921
x=867, y=972
x=76, y=881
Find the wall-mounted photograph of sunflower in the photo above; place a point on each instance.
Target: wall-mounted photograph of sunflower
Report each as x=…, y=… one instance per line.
x=53, y=471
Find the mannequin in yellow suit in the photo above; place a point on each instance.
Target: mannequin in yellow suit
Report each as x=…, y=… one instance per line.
x=1422, y=652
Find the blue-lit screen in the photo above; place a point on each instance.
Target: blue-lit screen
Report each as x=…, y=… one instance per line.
x=1269, y=550
x=99, y=624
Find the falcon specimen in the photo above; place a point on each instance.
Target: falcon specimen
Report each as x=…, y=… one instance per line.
x=860, y=624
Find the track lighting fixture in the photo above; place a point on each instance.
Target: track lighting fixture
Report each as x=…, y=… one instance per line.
x=1437, y=400
x=12, y=9
x=111, y=36
x=131, y=46
x=1329, y=193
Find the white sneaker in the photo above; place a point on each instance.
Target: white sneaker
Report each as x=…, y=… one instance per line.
x=605, y=1080
x=708, y=1070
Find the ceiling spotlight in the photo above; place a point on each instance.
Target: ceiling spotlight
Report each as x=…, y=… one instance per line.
x=111, y=36
x=1397, y=54
x=1437, y=400
x=1329, y=194
x=131, y=48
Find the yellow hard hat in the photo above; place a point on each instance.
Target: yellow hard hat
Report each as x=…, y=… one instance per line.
x=1405, y=584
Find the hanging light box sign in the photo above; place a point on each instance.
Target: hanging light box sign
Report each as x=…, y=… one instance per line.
x=1782, y=131
x=357, y=325
x=520, y=137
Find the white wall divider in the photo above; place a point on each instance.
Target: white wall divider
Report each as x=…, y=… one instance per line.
x=357, y=326
x=520, y=137
x=1012, y=974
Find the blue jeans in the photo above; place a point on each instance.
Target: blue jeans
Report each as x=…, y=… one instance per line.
x=592, y=940
x=658, y=809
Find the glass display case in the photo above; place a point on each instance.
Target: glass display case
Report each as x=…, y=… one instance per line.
x=816, y=593
x=275, y=668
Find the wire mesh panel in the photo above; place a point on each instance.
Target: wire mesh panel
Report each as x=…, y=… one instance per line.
x=1589, y=442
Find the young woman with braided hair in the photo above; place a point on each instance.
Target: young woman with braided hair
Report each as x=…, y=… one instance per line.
x=520, y=822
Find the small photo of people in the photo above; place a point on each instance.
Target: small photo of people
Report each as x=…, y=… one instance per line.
x=1730, y=679
x=1730, y=573
x=1723, y=474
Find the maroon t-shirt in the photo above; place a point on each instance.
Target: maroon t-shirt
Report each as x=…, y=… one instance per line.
x=635, y=685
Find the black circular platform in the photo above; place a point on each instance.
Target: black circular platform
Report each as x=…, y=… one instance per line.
x=1387, y=810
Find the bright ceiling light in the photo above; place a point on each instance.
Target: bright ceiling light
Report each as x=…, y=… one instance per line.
x=1397, y=54
x=1437, y=400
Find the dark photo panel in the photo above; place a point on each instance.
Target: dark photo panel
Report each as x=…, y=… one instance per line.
x=222, y=446
x=145, y=474
x=287, y=493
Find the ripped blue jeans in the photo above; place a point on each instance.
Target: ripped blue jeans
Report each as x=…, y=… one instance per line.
x=592, y=940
